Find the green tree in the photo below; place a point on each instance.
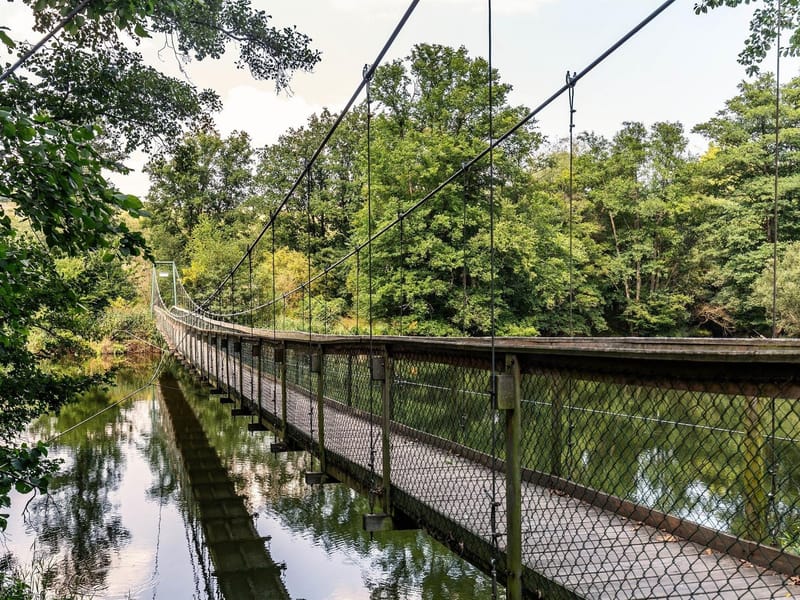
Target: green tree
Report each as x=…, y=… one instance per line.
x=636, y=185
x=204, y=176
x=764, y=28
x=738, y=173
x=431, y=116
x=54, y=200
x=787, y=299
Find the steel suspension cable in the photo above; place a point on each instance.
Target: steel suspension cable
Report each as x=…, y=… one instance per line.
x=777, y=172
x=492, y=307
x=498, y=140
x=464, y=252
x=772, y=466
x=403, y=297
x=315, y=155
x=571, y=95
x=308, y=295
x=35, y=48
x=368, y=78
x=274, y=334
x=479, y=156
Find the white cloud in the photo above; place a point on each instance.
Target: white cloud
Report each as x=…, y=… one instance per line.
x=262, y=113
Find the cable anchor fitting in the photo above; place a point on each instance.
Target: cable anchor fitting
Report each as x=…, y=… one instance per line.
x=571, y=79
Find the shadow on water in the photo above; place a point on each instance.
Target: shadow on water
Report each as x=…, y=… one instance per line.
x=169, y=496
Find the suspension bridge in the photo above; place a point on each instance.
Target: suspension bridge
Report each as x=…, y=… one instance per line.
x=607, y=468
x=563, y=467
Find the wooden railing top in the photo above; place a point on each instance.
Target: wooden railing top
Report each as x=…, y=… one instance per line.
x=748, y=353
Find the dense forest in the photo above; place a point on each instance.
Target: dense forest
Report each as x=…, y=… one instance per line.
x=654, y=240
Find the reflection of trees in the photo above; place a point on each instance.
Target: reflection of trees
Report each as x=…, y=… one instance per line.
x=676, y=451
x=399, y=561
x=78, y=526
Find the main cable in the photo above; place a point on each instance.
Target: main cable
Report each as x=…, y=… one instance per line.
x=35, y=48
x=359, y=88
x=483, y=153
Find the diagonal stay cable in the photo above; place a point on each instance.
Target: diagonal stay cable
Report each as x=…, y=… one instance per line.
x=35, y=48
x=342, y=114
x=465, y=166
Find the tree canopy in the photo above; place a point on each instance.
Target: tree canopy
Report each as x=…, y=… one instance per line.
x=663, y=242
x=74, y=111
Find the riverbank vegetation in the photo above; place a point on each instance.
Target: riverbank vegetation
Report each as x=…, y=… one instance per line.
x=70, y=279
x=653, y=239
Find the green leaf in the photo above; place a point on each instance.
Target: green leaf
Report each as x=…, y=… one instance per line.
x=22, y=487
x=11, y=44
x=141, y=31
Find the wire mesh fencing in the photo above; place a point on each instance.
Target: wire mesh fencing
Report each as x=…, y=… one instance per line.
x=575, y=473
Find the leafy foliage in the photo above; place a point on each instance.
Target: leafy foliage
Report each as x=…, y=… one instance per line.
x=763, y=28
x=662, y=242
x=73, y=112
x=24, y=469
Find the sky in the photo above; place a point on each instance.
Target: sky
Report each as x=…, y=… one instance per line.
x=682, y=67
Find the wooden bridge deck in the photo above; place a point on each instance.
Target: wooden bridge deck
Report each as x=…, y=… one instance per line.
x=586, y=551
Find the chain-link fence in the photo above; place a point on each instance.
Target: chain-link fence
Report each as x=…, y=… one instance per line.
x=578, y=470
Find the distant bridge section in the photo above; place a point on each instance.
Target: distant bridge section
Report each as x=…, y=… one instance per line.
x=572, y=468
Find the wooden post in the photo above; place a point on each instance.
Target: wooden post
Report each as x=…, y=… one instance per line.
x=513, y=483
x=561, y=387
x=321, y=411
x=755, y=474
x=385, y=429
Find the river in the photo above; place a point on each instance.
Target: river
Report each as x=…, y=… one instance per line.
x=165, y=495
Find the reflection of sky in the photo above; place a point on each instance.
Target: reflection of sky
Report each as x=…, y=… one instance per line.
x=159, y=558
x=701, y=505
x=312, y=572
x=132, y=571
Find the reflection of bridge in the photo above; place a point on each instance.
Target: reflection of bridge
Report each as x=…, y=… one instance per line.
x=242, y=565
x=604, y=468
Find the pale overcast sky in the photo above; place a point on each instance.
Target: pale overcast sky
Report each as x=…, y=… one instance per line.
x=682, y=67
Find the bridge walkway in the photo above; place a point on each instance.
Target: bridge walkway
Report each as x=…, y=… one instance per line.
x=587, y=551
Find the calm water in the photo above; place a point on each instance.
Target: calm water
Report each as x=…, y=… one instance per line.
x=129, y=514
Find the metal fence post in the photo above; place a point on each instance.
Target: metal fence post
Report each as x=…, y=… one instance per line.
x=284, y=403
x=321, y=410
x=561, y=387
x=260, y=375
x=217, y=384
x=241, y=373
x=227, y=397
x=755, y=471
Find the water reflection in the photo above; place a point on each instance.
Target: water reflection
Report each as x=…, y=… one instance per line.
x=126, y=520
x=318, y=531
